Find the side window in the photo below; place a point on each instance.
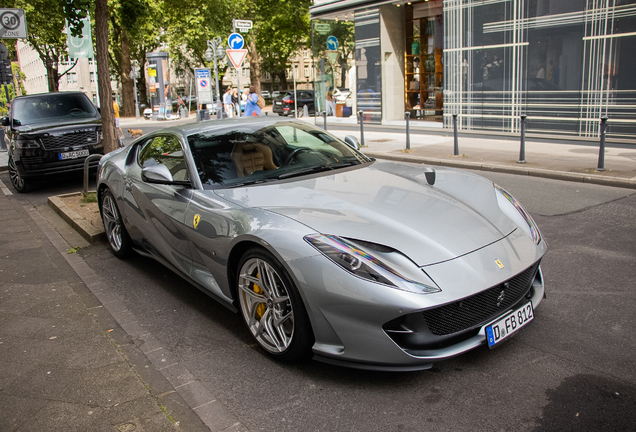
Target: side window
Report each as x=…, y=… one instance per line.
x=165, y=150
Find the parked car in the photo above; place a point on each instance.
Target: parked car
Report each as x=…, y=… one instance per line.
x=284, y=104
x=50, y=133
x=275, y=94
x=266, y=95
x=323, y=250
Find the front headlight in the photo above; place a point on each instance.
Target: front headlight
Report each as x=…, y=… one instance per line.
x=26, y=144
x=533, y=230
x=366, y=266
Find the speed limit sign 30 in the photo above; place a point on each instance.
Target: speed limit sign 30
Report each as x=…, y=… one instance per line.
x=13, y=24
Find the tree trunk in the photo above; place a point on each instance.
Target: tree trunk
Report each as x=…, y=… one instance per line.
x=127, y=85
x=255, y=67
x=282, y=81
x=103, y=77
x=52, y=75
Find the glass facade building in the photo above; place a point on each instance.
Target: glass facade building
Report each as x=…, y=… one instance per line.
x=564, y=64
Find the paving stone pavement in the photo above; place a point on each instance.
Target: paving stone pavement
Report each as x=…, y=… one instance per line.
x=65, y=363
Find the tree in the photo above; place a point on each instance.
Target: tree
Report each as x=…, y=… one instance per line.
x=284, y=29
x=75, y=11
x=45, y=33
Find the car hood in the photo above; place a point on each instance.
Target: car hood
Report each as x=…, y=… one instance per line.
x=60, y=126
x=390, y=204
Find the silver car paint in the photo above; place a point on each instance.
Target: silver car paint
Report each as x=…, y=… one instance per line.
x=346, y=312
x=428, y=224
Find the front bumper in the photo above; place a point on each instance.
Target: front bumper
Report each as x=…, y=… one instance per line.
x=39, y=163
x=349, y=315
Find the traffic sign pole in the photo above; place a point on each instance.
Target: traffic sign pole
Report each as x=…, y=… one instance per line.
x=238, y=77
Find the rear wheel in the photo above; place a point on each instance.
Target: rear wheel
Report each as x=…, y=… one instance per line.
x=118, y=238
x=20, y=184
x=272, y=308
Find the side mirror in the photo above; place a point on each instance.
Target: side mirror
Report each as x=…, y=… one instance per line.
x=161, y=174
x=352, y=142
x=4, y=121
x=157, y=174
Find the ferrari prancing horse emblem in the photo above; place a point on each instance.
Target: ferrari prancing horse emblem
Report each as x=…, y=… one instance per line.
x=195, y=221
x=499, y=263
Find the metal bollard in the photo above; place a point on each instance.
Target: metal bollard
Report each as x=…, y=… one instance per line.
x=88, y=160
x=407, y=116
x=361, y=128
x=456, y=146
x=601, y=150
x=324, y=116
x=522, y=150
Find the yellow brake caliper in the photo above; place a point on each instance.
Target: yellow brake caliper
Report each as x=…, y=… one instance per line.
x=260, y=309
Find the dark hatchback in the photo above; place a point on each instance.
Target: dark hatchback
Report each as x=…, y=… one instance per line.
x=284, y=103
x=50, y=133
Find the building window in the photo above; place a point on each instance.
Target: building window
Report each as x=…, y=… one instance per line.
x=71, y=78
x=307, y=71
x=92, y=75
x=305, y=53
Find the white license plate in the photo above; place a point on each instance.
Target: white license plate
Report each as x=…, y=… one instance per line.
x=279, y=103
x=509, y=324
x=73, y=154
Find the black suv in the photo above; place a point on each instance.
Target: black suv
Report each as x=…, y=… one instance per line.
x=50, y=133
x=284, y=103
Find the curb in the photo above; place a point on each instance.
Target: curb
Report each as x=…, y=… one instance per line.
x=89, y=232
x=535, y=172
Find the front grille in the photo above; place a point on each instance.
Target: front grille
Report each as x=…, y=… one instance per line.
x=31, y=160
x=480, y=308
x=70, y=140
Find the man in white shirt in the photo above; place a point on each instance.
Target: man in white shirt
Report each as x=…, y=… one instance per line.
x=227, y=102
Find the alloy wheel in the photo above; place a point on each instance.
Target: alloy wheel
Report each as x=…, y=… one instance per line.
x=112, y=222
x=266, y=305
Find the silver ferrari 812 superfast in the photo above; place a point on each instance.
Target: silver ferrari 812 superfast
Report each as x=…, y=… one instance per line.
x=324, y=251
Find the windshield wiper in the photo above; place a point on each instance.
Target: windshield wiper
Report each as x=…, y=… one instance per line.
x=315, y=169
x=250, y=182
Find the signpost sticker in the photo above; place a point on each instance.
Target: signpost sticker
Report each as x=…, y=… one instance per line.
x=332, y=43
x=13, y=24
x=235, y=41
x=204, y=89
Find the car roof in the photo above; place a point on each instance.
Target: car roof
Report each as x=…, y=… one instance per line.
x=208, y=126
x=49, y=93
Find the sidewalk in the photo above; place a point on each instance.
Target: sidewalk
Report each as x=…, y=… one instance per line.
x=65, y=363
x=560, y=159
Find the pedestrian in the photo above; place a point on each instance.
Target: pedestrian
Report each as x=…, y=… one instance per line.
x=227, y=102
x=251, y=105
x=120, y=132
x=235, y=102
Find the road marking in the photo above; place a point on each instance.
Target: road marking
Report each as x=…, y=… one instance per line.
x=5, y=189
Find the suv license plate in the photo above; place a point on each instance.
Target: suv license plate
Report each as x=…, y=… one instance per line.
x=509, y=324
x=73, y=154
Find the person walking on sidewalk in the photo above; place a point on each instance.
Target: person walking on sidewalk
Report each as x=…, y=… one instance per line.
x=227, y=102
x=119, y=131
x=251, y=105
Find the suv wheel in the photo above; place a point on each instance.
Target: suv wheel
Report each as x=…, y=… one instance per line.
x=19, y=184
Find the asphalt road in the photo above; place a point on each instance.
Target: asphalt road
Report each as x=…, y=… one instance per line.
x=573, y=368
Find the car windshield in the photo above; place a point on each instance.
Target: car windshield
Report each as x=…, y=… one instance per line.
x=252, y=153
x=49, y=107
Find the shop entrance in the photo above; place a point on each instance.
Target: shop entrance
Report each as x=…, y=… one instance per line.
x=424, y=70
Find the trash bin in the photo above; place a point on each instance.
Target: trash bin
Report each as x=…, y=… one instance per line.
x=339, y=106
x=3, y=145
x=203, y=115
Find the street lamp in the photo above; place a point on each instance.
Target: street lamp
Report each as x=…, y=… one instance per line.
x=215, y=50
x=134, y=75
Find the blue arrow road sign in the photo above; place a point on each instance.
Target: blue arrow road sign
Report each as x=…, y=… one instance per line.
x=235, y=41
x=332, y=43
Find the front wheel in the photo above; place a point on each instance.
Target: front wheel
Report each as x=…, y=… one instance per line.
x=118, y=238
x=20, y=184
x=272, y=308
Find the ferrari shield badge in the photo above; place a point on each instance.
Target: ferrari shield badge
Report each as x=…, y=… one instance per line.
x=196, y=220
x=499, y=263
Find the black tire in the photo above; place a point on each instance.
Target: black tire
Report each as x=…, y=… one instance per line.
x=17, y=181
x=118, y=238
x=275, y=316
